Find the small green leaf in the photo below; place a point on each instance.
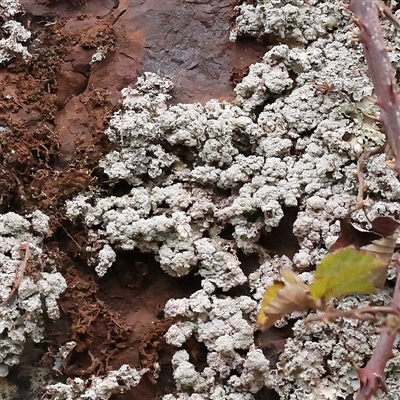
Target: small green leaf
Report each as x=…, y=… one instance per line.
x=347, y=271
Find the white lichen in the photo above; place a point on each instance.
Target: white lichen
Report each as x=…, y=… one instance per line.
x=97, y=387
x=15, y=34
x=298, y=20
x=107, y=257
x=62, y=354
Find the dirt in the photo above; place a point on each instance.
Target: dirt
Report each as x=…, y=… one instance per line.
x=54, y=110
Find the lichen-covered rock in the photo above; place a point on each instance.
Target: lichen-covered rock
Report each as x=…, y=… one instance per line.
x=228, y=150
x=211, y=181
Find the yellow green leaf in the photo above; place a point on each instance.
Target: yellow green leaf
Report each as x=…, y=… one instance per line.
x=347, y=271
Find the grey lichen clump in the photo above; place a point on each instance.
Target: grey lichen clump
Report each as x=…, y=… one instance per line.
x=14, y=34
x=22, y=315
x=97, y=387
x=254, y=372
x=225, y=326
x=209, y=181
x=298, y=20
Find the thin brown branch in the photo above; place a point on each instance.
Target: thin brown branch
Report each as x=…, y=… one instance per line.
x=361, y=163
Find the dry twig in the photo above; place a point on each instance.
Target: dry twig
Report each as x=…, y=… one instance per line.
x=19, y=273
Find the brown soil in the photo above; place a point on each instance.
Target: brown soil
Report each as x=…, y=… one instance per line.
x=53, y=113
